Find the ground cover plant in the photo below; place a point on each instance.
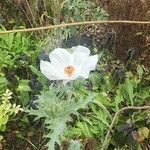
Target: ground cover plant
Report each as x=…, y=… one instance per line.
x=65, y=88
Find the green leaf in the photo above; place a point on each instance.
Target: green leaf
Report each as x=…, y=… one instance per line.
x=24, y=96
x=54, y=135
x=3, y=83
x=98, y=101
x=3, y=127
x=127, y=91
x=74, y=131
x=140, y=70
x=87, y=120
x=118, y=99
x=41, y=77
x=23, y=86
x=84, y=128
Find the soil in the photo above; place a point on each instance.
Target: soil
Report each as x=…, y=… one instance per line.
x=131, y=36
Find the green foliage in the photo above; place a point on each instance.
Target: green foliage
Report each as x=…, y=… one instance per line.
x=6, y=110
x=81, y=10
x=18, y=50
x=15, y=44
x=3, y=84
x=71, y=10
x=133, y=90
x=55, y=106
x=94, y=122
x=127, y=91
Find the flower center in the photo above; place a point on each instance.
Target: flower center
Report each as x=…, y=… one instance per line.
x=69, y=70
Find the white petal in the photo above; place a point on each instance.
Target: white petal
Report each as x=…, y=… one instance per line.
x=73, y=77
x=49, y=71
x=88, y=65
x=60, y=57
x=80, y=54
x=82, y=49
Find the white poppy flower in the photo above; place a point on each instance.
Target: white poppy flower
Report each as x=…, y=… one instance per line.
x=68, y=66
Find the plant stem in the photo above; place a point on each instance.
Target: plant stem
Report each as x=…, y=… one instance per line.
x=76, y=23
x=33, y=18
x=26, y=15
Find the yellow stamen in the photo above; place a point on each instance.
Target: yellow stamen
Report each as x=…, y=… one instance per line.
x=69, y=70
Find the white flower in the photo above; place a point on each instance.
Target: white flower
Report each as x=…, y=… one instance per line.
x=68, y=66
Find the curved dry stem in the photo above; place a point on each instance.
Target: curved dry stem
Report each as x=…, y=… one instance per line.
x=114, y=119
x=76, y=23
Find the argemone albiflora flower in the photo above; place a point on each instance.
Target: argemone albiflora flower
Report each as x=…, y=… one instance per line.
x=68, y=66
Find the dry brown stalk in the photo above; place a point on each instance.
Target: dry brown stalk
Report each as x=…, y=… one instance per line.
x=76, y=23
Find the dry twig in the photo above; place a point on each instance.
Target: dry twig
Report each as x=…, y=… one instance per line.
x=76, y=23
